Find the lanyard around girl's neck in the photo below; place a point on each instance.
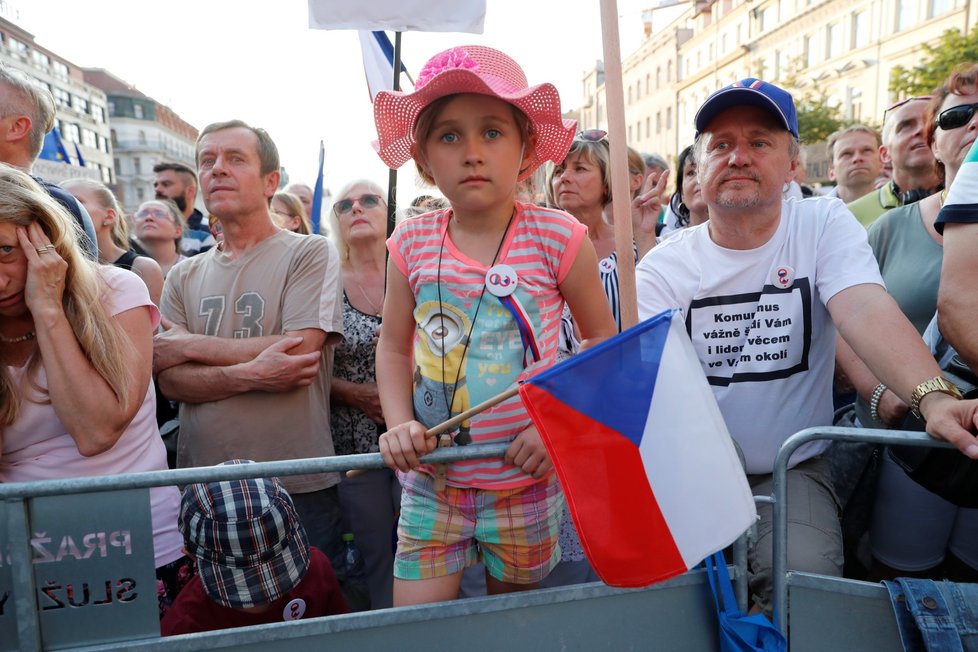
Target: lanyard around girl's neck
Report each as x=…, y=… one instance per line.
x=478, y=305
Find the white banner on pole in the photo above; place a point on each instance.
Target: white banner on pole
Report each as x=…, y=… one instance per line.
x=399, y=15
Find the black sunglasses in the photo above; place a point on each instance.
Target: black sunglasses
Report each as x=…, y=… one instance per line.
x=956, y=116
x=592, y=135
x=365, y=201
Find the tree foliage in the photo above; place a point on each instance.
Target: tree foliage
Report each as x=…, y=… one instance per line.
x=817, y=119
x=952, y=49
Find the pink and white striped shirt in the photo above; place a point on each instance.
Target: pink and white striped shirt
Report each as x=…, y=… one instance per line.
x=540, y=246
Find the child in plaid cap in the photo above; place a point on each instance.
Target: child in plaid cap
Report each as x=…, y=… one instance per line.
x=254, y=563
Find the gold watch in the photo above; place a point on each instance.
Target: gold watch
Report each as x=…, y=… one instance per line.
x=935, y=384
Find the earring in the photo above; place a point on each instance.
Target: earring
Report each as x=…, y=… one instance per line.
x=106, y=222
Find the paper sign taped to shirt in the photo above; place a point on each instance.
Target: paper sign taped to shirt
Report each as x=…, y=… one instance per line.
x=755, y=336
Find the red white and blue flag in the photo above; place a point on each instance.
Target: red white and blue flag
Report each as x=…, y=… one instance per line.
x=648, y=468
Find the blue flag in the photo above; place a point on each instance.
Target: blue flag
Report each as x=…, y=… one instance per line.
x=53, y=148
x=317, y=193
x=78, y=155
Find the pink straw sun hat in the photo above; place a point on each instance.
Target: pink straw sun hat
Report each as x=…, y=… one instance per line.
x=472, y=69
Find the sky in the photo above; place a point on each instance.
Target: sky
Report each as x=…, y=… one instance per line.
x=215, y=60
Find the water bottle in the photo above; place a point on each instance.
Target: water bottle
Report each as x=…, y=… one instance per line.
x=352, y=557
x=353, y=578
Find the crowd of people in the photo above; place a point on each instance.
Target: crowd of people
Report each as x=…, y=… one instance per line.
x=253, y=339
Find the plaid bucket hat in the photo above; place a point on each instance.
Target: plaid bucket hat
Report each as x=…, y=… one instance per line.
x=246, y=537
x=472, y=69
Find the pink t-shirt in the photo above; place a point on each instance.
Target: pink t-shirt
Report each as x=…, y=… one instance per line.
x=38, y=447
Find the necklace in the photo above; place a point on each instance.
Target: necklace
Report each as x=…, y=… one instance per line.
x=17, y=340
x=441, y=313
x=370, y=304
x=943, y=197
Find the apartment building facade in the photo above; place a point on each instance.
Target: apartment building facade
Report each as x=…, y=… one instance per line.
x=82, y=117
x=844, y=48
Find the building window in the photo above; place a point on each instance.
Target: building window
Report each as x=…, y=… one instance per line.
x=70, y=131
x=658, y=122
x=906, y=14
x=855, y=109
x=784, y=10
x=140, y=194
x=669, y=72
x=860, y=29
x=833, y=40
x=106, y=175
x=629, y=94
x=658, y=77
x=629, y=133
x=137, y=111
x=18, y=49
x=648, y=84
x=98, y=113
x=61, y=97
x=668, y=118
x=61, y=70
x=117, y=164
x=137, y=165
x=142, y=137
x=806, y=50
x=938, y=7
x=40, y=59
x=648, y=127
x=79, y=104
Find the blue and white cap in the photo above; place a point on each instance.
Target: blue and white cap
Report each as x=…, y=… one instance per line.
x=750, y=92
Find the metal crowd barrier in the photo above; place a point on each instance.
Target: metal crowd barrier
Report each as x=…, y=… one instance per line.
x=54, y=544
x=857, y=613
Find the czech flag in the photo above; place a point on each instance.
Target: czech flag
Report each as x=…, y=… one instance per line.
x=650, y=473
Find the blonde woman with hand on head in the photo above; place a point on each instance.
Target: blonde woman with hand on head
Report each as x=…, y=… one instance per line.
x=76, y=343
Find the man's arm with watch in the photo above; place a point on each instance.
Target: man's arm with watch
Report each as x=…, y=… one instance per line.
x=873, y=325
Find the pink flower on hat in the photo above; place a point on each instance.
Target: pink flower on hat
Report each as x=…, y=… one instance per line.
x=447, y=60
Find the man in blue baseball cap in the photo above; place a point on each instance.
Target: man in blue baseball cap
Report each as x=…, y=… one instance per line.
x=764, y=284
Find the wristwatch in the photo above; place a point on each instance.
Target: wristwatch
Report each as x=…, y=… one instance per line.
x=935, y=384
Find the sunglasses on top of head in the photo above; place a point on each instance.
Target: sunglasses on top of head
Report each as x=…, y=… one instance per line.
x=346, y=205
x=956, y=116
x=896, y=105
x=592, y=135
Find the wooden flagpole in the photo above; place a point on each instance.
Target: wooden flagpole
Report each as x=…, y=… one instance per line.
x=615, y=99
x=459, y=419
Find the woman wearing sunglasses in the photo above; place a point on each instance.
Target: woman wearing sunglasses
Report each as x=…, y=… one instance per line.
x=913, y=530
x=159, y=228
x=371, y=499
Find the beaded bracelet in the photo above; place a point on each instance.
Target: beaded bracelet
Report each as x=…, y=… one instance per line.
x=874, y=403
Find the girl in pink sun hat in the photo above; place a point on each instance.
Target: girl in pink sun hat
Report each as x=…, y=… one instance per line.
x=474, y=300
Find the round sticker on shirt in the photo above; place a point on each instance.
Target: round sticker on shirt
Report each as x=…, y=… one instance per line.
x=783, y=277
x=294, y=610
x=501, y=280
x=607, y=265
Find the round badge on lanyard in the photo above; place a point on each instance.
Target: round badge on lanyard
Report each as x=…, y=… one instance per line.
x=607, y=265
x=501, y=280
x=783, y=277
